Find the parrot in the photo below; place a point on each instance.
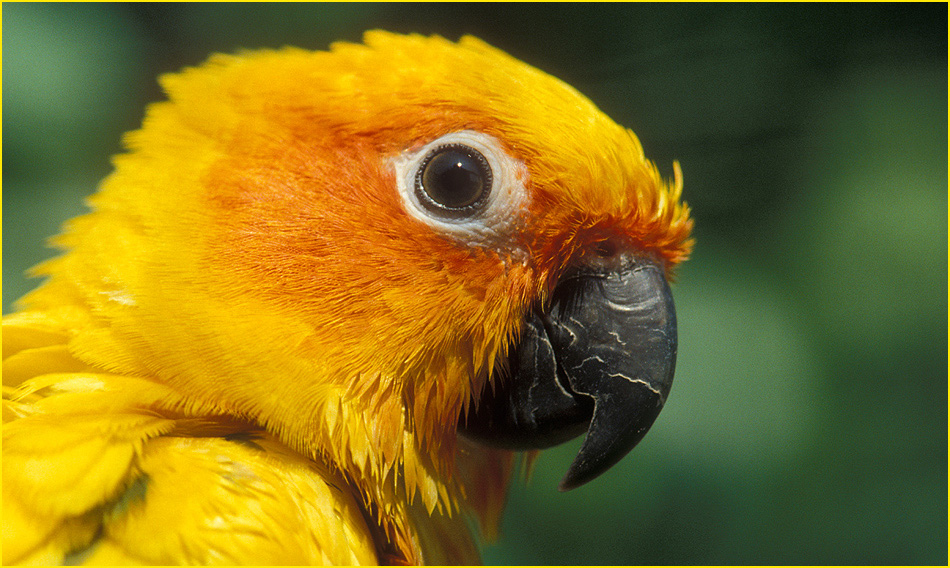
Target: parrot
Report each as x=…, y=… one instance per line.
x=328, y=302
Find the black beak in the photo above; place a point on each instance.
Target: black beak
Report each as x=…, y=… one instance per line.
x=601, y=358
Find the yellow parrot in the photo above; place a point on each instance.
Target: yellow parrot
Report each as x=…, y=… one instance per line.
x=322, y=302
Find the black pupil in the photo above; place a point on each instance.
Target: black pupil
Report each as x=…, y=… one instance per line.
x=456, y=177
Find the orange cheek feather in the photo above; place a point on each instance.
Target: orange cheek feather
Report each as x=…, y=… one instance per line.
x=323, y=234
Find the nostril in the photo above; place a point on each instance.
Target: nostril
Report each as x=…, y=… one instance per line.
x=606, y=249
x=605, y=255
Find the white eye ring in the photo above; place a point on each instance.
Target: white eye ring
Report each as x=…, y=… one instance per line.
x=493, y=218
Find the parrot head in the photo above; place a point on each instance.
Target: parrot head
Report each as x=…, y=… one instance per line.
x=389, y=255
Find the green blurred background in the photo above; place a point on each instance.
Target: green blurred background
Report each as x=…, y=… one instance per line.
x=808, y=423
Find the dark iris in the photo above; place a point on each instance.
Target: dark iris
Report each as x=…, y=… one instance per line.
x=454, y=180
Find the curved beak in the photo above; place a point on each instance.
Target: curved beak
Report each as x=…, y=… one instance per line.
x=601, y=358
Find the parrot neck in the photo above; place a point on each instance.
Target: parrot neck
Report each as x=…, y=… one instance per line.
x=417, y=491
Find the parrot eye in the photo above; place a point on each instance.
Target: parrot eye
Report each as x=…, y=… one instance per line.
x=453, y=180
x=466, y=187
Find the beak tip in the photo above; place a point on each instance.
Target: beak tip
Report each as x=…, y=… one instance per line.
x=571, y=480
x=613, y=433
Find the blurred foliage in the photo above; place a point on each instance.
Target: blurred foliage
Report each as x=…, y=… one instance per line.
x=809, y=419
